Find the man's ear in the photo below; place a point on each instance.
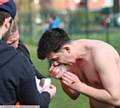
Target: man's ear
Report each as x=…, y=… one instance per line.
x=67, y=48
x=6, y=23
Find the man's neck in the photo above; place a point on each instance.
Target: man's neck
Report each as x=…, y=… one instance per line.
x=82, y=52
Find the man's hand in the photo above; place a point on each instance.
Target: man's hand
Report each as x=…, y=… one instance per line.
x=71, y=80
x=51, y=89
x=56, y=71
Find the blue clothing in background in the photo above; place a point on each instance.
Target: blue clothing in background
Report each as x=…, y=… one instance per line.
x=56, y=23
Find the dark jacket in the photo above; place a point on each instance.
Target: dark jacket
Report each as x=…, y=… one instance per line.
x=17, y=80
x=23, y=49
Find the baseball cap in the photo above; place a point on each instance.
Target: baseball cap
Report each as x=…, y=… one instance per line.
x=8, y=6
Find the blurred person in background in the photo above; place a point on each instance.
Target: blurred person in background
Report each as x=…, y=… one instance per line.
x=53, y=22
x=17, y=76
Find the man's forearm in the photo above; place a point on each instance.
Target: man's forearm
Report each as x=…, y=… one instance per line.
x=99, y=94
x=70, y=92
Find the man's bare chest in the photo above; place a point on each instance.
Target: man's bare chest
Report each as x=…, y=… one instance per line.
x=88, y=74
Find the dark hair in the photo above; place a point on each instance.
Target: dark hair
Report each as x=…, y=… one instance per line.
x=3, y=15
x=51, y=41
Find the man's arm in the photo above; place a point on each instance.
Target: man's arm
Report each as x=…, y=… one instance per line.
x=30, y=96
x=108, y=67
x=57, y=71
x=110, y=77
x=70, y=92
x=28, y=93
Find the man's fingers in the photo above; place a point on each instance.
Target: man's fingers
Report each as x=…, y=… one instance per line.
x=69, y=78
x=54, y=72
x=67, y=82
x=69, y=75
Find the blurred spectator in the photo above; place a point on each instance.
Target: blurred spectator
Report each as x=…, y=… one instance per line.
x=105, y=13
x=53, y=21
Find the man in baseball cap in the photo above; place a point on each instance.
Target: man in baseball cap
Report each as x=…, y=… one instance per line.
x=17, y=76
x=8, y=6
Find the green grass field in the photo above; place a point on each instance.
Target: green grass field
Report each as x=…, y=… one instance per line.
x=61, y=100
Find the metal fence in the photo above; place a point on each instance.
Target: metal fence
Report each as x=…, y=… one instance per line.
x=32, y=24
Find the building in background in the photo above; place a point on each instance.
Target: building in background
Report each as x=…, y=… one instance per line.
x=65, y=4
x=97, y=4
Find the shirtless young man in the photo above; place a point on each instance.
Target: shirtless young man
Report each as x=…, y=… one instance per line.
x=93, y=67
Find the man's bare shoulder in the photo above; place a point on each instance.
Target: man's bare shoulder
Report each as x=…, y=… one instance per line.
x=92, y=42
x=98, y=48
x=104, y=48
